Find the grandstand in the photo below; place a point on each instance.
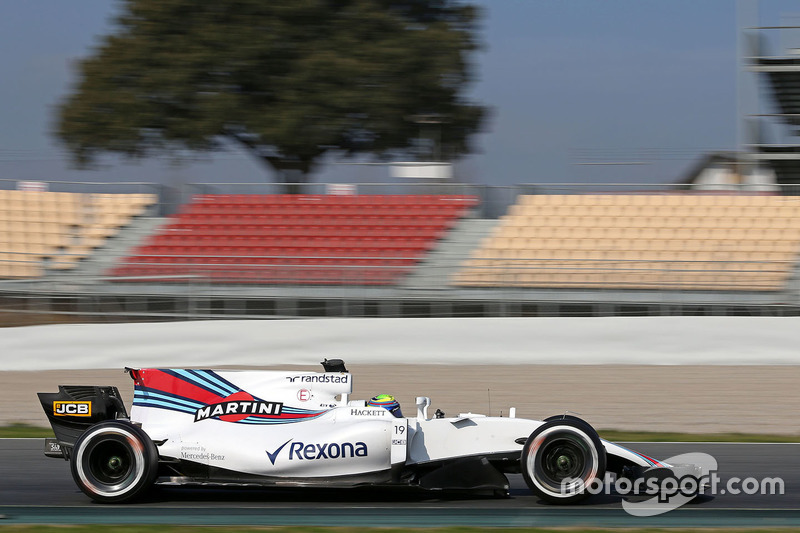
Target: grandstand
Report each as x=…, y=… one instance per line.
x=42, y=230
x=295, y=239
x=660, y=242
x=244, y=255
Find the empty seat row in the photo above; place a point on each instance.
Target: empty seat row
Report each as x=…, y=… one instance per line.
x=332, y=199
x=356, y=241
x=738, y=221
x=265, y=224
x=256, y=261
x=315, y=220
x=533, y=234
x=625, y=245
x=172, y=232
x=291, y=251
x=596, y=258
x=643, y=211
x=213, y=209
x=687, y=199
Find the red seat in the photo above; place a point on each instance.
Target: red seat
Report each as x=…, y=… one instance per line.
x=298, y=239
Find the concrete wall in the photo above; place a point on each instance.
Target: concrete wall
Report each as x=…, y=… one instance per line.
x=482, y=341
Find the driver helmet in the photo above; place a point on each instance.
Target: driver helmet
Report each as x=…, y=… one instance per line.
x=388, y=402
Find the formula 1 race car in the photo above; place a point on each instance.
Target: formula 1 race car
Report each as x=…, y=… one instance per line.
x=284, y=428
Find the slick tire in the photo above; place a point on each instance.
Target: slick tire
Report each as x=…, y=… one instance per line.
x=560, y=460
x=114, y=461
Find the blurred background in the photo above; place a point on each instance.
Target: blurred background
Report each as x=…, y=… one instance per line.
x=163, y=161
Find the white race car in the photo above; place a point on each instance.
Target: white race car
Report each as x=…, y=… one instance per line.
x=284, y=428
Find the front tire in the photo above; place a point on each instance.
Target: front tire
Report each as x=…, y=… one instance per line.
x=114, y=461
x=561, y=458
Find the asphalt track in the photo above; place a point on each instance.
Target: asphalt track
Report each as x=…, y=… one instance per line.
x=36, y=489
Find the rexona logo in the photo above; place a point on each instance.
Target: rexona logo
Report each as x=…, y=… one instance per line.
x=233, y=410
x=72, y=408
x=320, y=378
x=300, y=451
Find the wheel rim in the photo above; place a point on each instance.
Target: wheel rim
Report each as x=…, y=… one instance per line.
x=110, y=462
x=563, y=459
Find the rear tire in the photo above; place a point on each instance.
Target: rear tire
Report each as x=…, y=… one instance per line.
x=114, y=461
x=561, y=458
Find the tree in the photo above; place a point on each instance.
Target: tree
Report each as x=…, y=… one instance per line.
x=286, y=80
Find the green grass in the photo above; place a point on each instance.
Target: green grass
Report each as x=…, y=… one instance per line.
x=19, y=431
x=26, y=431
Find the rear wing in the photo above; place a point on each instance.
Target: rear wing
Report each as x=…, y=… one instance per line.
x=74, y=408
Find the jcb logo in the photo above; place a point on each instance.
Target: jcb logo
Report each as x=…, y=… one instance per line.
x=72, y=408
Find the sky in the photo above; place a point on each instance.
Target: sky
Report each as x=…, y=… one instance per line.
x=569, y=84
